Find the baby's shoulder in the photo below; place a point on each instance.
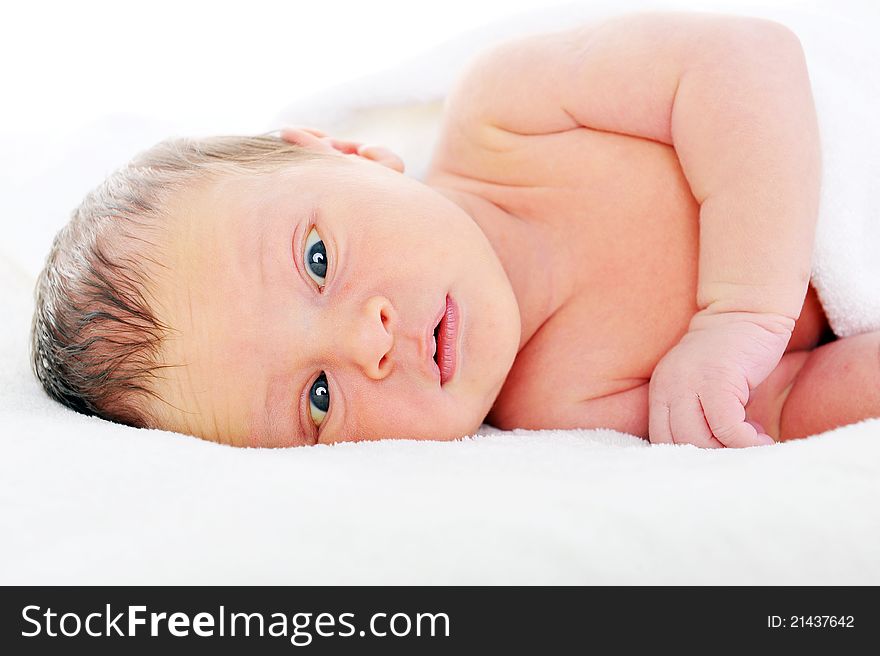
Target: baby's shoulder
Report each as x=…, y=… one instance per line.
x=501, y=98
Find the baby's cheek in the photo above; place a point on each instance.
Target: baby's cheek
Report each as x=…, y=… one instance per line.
x=408, y=415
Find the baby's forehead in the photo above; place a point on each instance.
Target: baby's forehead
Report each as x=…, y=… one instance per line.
x=238, y=191
x=208, y=204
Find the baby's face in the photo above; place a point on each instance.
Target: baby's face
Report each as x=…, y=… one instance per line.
x=303, y=304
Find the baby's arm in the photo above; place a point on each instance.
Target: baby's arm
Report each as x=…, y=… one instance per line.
x=732, y=95
x=743, y=123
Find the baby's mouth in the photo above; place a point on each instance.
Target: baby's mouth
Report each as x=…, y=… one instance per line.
x=445, y=341
x=436, y=328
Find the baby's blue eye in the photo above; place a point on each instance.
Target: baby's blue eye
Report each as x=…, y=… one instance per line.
x=315, y=257
x=319, y=399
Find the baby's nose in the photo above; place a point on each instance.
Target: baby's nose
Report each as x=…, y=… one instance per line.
x=370, y=337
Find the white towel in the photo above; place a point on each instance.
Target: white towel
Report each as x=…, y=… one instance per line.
x=843, y=57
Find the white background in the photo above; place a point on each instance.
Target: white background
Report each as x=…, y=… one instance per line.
x=223, y=66
x=87, y=84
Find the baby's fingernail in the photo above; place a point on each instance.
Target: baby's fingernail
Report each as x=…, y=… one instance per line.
x=765, y=439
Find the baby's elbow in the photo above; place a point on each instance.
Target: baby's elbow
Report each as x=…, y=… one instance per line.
x=775, y=37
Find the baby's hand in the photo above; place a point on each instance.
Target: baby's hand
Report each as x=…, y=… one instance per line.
x=699, y=389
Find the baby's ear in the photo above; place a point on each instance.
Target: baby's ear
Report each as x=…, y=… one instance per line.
x=318, y=140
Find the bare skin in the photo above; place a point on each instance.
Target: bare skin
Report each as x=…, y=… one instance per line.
x=625, y=223
x=606, y=339
x=591, y=271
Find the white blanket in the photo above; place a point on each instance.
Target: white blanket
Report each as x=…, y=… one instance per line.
x=83, y=501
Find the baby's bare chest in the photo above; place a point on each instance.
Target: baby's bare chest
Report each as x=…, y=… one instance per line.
x=625, y=234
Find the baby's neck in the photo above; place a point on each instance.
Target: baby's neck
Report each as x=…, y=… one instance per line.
x=536, y=272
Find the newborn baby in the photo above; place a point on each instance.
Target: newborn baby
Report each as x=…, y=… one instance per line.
x=615, y=230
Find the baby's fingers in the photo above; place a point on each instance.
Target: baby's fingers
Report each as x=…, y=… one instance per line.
x=688, y=425
x=726, y=417
x=288, y=130
x=658, y=422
